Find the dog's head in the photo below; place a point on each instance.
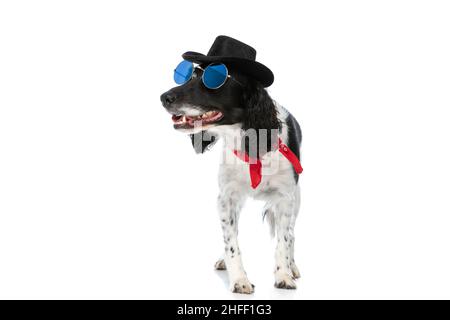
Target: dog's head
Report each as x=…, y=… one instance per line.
x=240, y=101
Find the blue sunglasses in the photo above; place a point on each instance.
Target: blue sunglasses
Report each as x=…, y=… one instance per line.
x=214, y=76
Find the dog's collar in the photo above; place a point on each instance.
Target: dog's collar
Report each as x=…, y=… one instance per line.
x=255, y=165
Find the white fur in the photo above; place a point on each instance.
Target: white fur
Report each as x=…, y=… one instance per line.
x=282, y=195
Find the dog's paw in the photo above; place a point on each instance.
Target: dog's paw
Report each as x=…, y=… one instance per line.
x=242, y=286
x=294, y=270
x=284, y=281
x=220, y=265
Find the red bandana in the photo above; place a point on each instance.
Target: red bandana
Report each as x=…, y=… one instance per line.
x=255, y=164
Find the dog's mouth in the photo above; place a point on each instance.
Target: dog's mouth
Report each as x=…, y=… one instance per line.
x=182, y=121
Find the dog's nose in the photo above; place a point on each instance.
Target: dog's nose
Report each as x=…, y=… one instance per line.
x=167, y=98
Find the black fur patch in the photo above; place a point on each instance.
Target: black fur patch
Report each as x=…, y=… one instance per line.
x=294, y=139
x=203, y=141
x=260, y=113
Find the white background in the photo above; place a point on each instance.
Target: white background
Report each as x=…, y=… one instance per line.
x=101, y=198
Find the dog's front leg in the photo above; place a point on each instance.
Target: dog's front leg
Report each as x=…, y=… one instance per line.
x=229, y=206
x=283, y=211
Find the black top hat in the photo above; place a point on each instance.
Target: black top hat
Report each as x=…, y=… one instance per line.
x=235, y=53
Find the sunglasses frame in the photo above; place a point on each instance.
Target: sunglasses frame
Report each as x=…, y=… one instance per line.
x=228, y=76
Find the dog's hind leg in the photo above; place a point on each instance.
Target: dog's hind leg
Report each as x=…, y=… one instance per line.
x=293, y=266
x=284, y=211
x=220, y=264
x=229, y=206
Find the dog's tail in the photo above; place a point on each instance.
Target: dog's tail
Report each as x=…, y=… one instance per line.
x=269, y=215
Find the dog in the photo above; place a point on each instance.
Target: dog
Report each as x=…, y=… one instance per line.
x=266, y=163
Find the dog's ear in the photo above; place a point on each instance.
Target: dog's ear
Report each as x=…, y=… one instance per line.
x=260, y=117
x=203, y=140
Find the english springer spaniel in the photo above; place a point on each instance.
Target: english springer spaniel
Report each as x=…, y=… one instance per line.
x=261, y=152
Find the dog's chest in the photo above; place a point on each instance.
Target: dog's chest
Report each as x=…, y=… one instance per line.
x=277, y=176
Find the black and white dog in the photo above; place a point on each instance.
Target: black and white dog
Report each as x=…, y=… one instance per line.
x=254, y=164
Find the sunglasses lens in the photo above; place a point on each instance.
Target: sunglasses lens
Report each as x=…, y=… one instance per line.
x=215, y=76
x=183, y=72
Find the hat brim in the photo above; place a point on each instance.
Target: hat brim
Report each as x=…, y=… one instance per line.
x=252, y=68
